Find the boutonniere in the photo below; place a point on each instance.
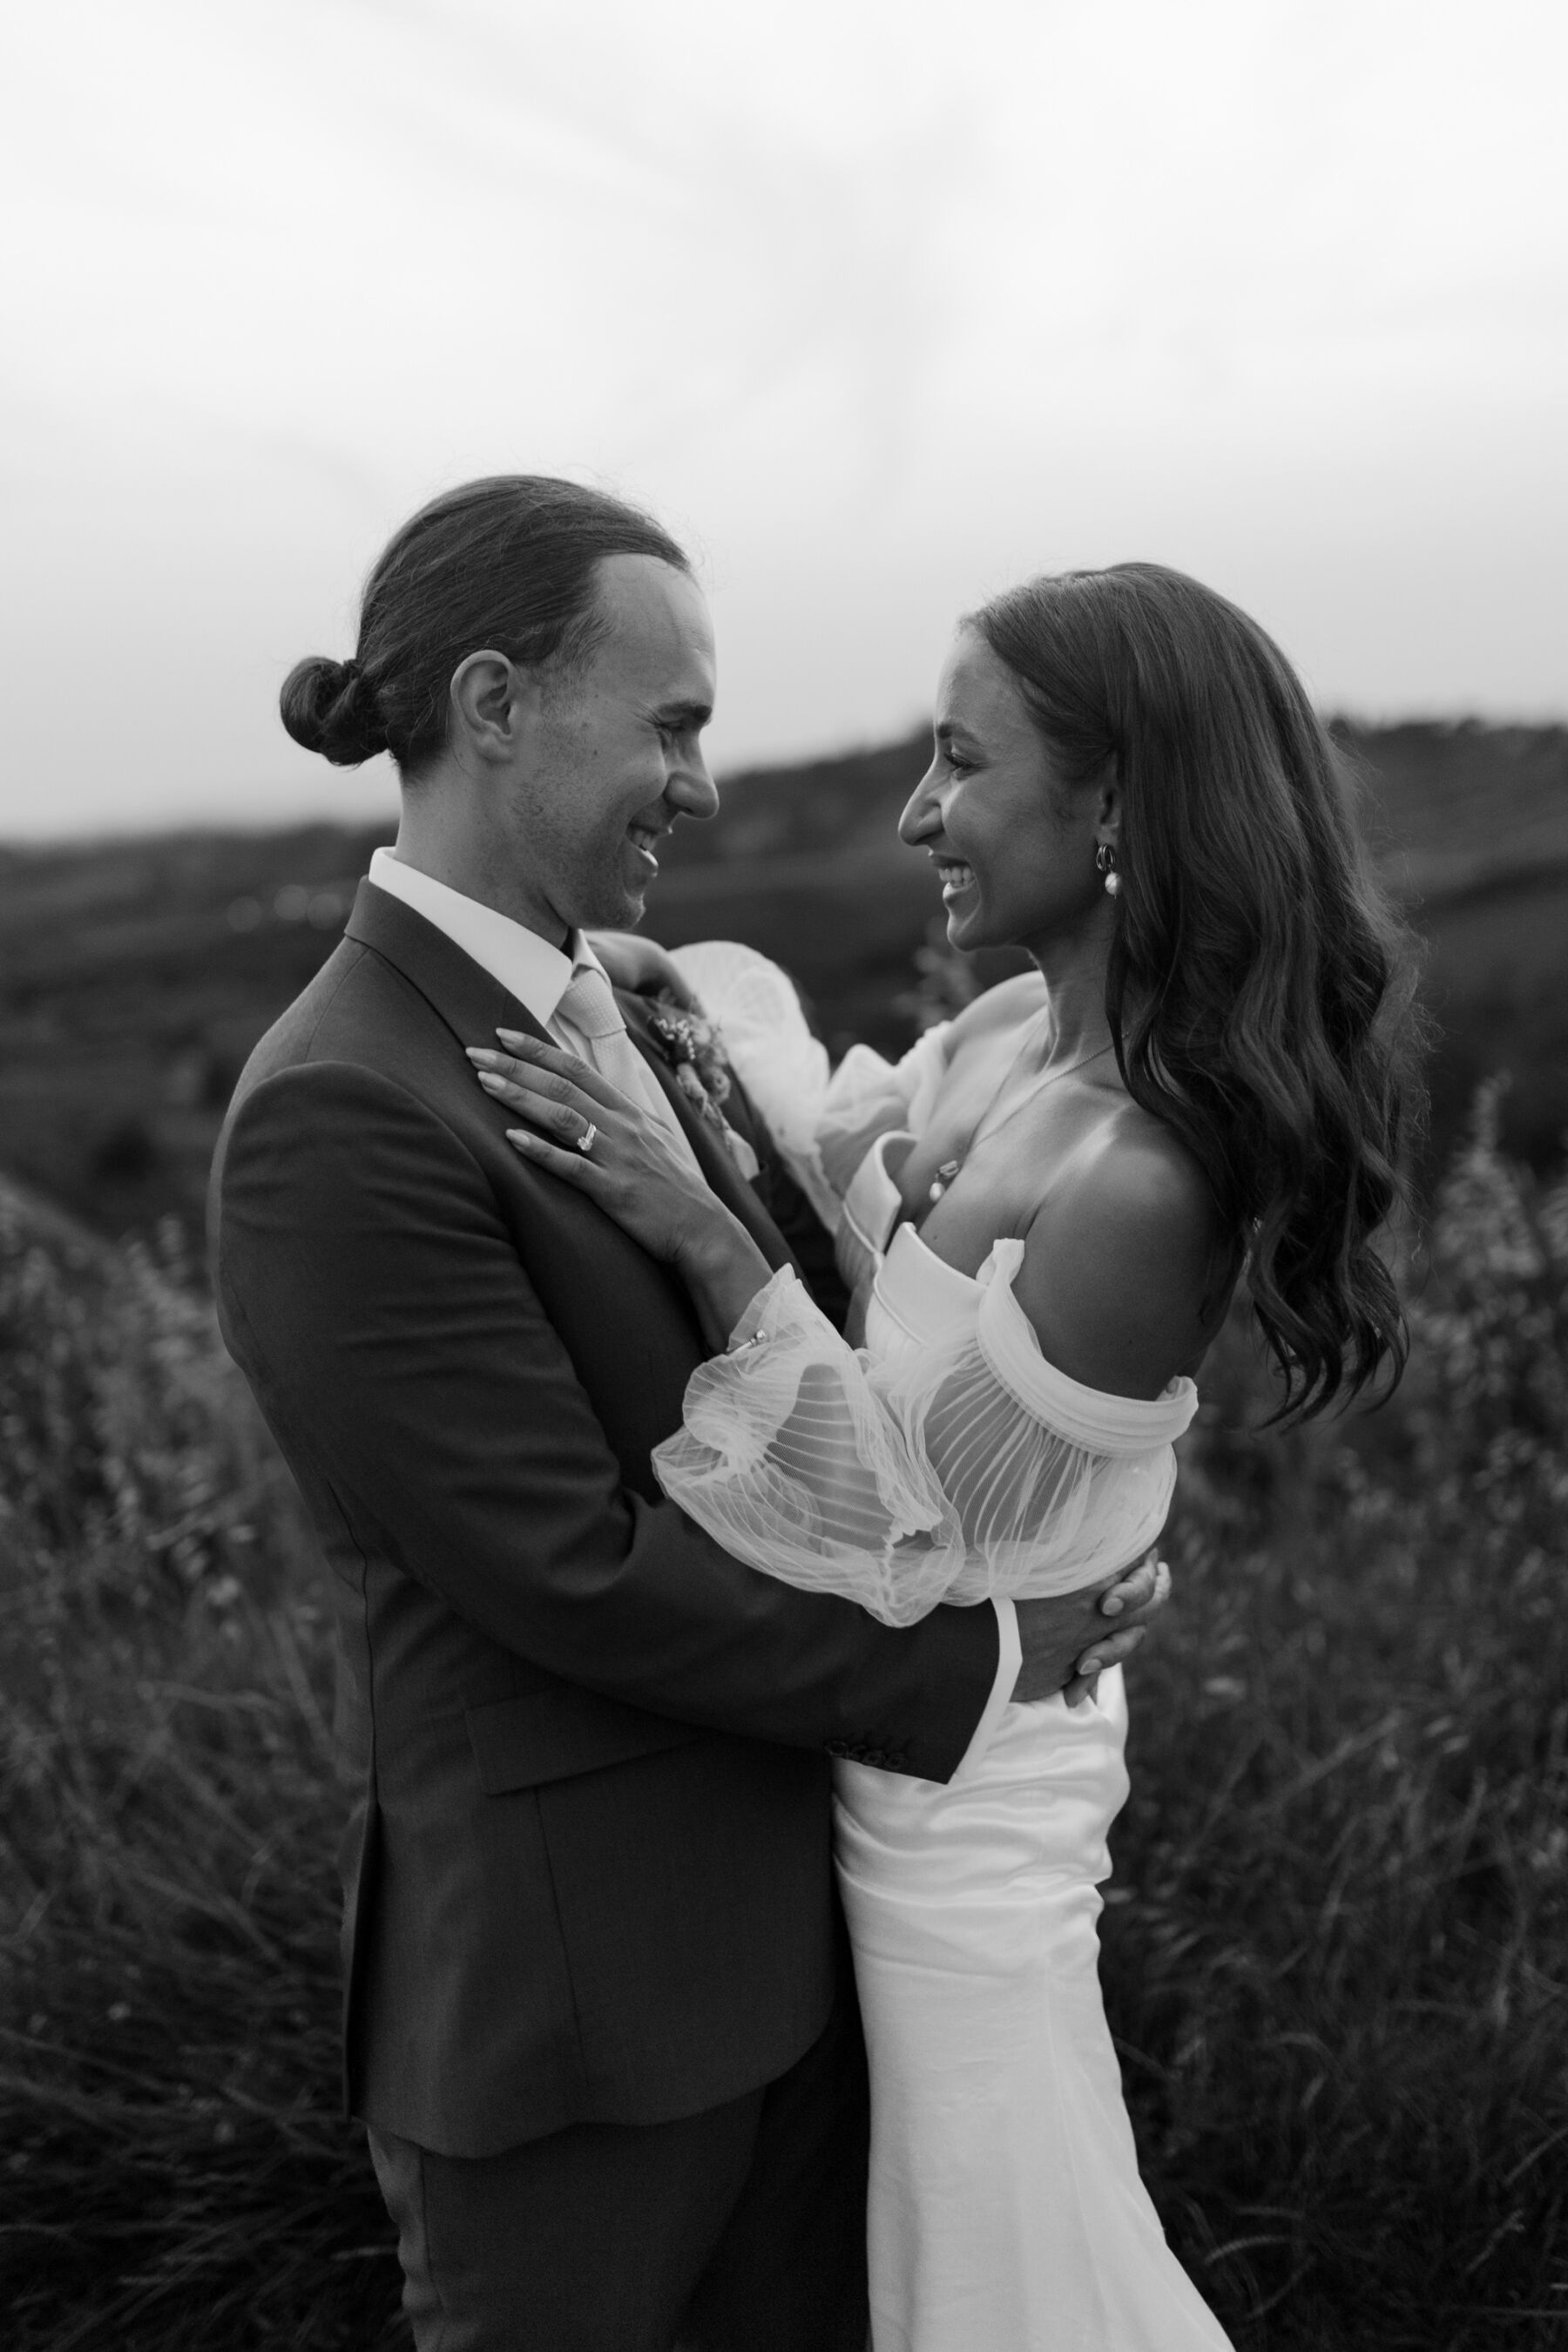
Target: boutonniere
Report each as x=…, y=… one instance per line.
x=694, y=1048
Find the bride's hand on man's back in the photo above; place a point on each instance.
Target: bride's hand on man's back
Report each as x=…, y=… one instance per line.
x=1070, y=1638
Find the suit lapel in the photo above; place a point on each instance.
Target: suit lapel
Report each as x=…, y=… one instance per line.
x=474, y=1005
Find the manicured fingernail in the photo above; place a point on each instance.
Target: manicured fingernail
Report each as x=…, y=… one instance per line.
x=481, y=1054
x=491, y=1080
x=521, y=1135
x=517, y=1039
x=1110, y=1606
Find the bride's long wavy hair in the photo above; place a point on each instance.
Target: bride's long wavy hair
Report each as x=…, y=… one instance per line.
x=1260, y=988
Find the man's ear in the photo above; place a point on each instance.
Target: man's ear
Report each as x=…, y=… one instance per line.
x=494, y=704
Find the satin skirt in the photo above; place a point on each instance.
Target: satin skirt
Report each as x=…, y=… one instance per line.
x=1007, y=2212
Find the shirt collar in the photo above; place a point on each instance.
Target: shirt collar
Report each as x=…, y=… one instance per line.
x=527, y=967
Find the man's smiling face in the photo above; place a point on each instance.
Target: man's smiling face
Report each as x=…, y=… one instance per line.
x=618, y=752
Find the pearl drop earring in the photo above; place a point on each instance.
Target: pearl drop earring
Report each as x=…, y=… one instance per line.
x=1105, y=863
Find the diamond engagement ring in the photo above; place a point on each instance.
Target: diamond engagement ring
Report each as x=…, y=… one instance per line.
x=585, y=1142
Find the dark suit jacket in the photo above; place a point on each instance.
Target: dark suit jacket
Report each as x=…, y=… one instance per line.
x=588, y=1872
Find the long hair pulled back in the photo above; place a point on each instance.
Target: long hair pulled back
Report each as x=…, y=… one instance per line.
x=507, y=564
x=1260, y=986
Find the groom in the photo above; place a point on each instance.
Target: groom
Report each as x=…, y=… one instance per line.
x=597, y=2017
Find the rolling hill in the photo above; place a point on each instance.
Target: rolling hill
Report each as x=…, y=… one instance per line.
x=136, y=975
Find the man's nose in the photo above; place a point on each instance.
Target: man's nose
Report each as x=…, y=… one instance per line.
x=691, y=790
x=921, y=816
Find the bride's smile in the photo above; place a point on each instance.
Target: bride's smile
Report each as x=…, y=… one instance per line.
x=1013, y=845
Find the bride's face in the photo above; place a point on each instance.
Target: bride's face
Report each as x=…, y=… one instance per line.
x=1013, y=845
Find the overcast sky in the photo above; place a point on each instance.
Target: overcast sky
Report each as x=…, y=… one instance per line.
x=882, y=304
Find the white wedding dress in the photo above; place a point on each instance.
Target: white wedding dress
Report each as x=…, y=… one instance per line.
x=946, y=1459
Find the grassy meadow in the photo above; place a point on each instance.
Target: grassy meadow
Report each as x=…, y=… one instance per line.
x=1334, y=1945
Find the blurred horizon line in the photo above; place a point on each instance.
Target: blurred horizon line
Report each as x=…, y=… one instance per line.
x=297, y=813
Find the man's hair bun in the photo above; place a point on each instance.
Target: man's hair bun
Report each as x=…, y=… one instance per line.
x=509, y=563
x=331, y=707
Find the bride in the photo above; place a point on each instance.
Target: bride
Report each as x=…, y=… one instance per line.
x=1044, y=1210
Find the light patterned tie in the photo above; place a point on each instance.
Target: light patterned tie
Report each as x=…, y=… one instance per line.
x=588, y=1006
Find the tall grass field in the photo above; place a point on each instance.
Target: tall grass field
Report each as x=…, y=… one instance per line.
x=1335, y=1936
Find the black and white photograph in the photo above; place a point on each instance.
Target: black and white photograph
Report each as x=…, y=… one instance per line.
x=783, y=1177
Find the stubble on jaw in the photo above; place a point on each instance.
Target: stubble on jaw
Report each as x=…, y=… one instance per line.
x=584, y=879
x=576, y=878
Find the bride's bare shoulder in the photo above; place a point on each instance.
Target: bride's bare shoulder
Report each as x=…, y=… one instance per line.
x=1008, y=1005
x=1120, y=1268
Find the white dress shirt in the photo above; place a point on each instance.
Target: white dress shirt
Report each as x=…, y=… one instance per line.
x=539, y=975
x=527, y=967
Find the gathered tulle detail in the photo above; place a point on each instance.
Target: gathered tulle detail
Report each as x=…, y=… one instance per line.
x=867, y=1094
x=871, y=1208
x=790, y=1460
x=941, y=1472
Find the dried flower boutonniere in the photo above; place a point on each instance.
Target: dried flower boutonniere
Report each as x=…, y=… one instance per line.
x=694, y=1048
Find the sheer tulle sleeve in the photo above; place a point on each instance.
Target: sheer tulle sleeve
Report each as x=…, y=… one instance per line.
x=969, y=1469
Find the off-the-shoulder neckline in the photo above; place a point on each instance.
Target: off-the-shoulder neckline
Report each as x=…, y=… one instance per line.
x=1179, y=1393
